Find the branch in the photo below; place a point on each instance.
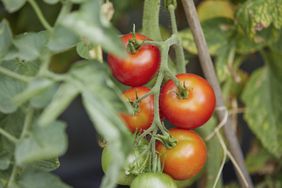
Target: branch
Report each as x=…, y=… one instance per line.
x=208, y=69
x=40, y=15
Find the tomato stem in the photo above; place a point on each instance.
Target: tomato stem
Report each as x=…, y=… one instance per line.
x=180, y=58
x=8, y=136
x=133, y=44
x=40, y=15
x=14, y=75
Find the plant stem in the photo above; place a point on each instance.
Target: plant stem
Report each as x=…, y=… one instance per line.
x=179, y=52
x=14, y=75
x=208, y=69
x=150, y=25
x=66, y=8
x=40, y=15
x=27, y=123
x=8, y=136
x=12, y=177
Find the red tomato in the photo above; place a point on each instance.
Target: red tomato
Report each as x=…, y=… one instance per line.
x=191, y=111
x=187, y=158
x=139, y=67
x=143, y=118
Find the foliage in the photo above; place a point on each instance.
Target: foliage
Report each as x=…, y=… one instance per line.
x=32, y=97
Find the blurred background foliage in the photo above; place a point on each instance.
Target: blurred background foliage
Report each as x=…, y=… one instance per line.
x=245, y=41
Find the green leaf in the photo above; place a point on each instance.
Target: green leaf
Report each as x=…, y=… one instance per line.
x=42, y=143
x=5, y=160
x=217, y=32
x=30, y=46
x=13, y=5
x=47, y=165
x=39, y=179
x=87, y=22
x=5, y=37
x=11, y=123
x=62, y=39
x=44, y=98
x=257, y=15
x=247, y=45
x=39, y=92
x=9, y=88
x=256, y=160
x=102, y=104
x=263, y=104
x=216, y=8
x=63, y=97
x=215, y=154
x=51, y=1
x=84, y=50
x=110, y=126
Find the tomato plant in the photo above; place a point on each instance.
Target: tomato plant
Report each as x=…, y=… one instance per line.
x=189, y=105
x=141, y=64
x=54, y=53
x=187, y=158
x=156, y=180
x=143, y=111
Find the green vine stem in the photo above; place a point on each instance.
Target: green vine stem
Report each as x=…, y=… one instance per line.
x=150, y=25
x=8, y=136
x=179, y=52
x=12, y=177
x=66, y=8
x=14, y=75
x=40, y=15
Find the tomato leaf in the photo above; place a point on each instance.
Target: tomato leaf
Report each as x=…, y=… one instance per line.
x=5, y=37
x=87, y=22
x=59, y=103
x=254, y=16
x=102, y=104
x=62, y=39
x=217, y=32
x=42, y=143
x=47, y=164
x=39, y=92
x=217, y=8
x=51, y=1
x=39, y=179
x=263, y=104
x=13, y=5
x=36, y=43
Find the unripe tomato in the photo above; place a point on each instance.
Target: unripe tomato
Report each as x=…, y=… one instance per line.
x=153, y=180
x=135, y=163
x=139, y=67
x=144, y=115
x=187, y=158
x=124, y=177
x=189, y=111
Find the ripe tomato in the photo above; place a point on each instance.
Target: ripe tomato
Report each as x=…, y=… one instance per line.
x=153, y=180
x=144, y=116
x=189, y=111
x=187, y=158
x=139, y=67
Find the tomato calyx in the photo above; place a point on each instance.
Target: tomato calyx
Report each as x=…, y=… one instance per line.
x=167, y=140
x=182, y=91
x=133, y=44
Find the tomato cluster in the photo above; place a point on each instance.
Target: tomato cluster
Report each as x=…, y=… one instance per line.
x=186, y=102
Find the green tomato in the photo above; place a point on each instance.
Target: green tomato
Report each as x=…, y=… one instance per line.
x=134, y=165
x=153, y=180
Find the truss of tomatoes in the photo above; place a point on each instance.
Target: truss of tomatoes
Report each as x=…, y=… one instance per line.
x=188, y=106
